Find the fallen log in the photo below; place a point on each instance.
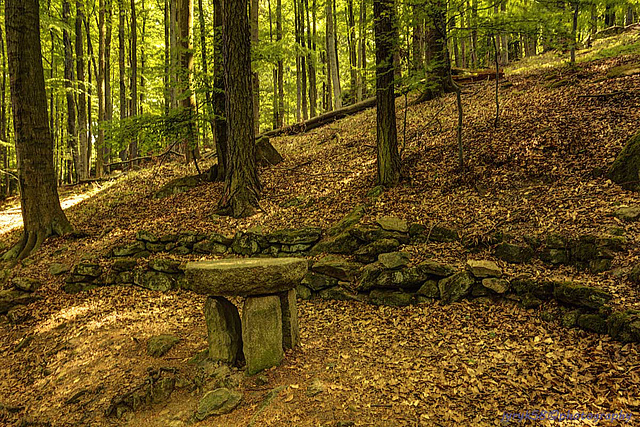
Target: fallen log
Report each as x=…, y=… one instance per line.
x=480, y=75
x=321, y=120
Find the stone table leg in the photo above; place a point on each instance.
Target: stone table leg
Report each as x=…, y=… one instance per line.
x=290, y=328
x=262, y=333
x=224, y=332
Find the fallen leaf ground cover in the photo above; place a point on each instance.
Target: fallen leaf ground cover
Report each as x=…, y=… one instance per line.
x=540, y=171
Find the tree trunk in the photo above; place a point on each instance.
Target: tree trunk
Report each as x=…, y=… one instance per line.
x=83, y=170
x=108, y=100
x=133, y=83
x=296, y=30
x=474, y=33
x=187, y=97
x=388, y=157
x=102, y=77
x=303, y=61
x=332, y=56
x=437, y=53
x=574, y=32
x=311, y=61
x=167, y=57
x=41, y=211
x=4, y=149
x=121, y=55
x=89, y=100
x=143, y=58
x=280, y=65
x=362, y=52
x=222, y=147
x=417, y=63
x=242, y=186
x=72, y=142
x=353, y=58
x=205, y=69
x=173, y=24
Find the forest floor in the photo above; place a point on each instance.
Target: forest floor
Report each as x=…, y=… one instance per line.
x=540, y=170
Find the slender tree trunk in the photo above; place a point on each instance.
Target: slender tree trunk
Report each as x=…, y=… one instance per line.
x=121, y=56
x=574, y=32
x=388, y=158
x=255, y=78
x=296, y=27
x=41, y=212
x=242, y=186
x=222, y=145
x=82, y=102
x=303, y=61
x=187, y=98
x=108, y=98
x=332, y=56
x=474, y=33
x=505, y=36
x=69, y=79
x=417, y=64
x=143, y=57
x=174, y=52
x=89, y=96
x=280, y=65
x=205, y=69
x=353, y=58
x=102, y=77
x=362, y=52
x=167, y=57
x=311, y=62
x=133, y=82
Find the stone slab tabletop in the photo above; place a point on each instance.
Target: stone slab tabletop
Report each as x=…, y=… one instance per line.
x=244, y=276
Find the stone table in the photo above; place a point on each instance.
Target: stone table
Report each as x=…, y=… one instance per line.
x=269, y=316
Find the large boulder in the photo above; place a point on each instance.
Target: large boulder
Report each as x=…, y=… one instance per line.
x=390, y=223
x=317, y=281
x=244, y=277
x=514, y=254
x=626, y=168
x=266, y=154
x=154, y=280
x=624, y=326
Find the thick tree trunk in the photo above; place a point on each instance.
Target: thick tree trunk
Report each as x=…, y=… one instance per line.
x=187, y=97
x=332, y=56
x=388, y=157
x=242, y=186
x=72, y=141
x=41, y=211
x=438, y=54
x=222, y=147
x=83, y=170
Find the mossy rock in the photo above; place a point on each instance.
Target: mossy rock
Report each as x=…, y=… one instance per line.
x=593, y=323
x=624, y=326
x=351, y=219
x=623, y=71
x=583, y=296
x=626, y=168
x=179, y=185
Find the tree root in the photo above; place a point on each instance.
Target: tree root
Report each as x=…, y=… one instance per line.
x=30, y=241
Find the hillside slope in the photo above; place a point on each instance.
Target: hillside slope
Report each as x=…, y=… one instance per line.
x=540, y=171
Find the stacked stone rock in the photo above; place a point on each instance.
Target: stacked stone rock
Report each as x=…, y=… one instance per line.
x=269, y=322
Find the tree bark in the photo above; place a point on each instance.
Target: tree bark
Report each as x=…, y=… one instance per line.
x=362, y=52
x=242, y=186
x=133, y=84
x=41, y=211
x=205, y=69
x=108, y=99
x=353, y=58
x=386, y=36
